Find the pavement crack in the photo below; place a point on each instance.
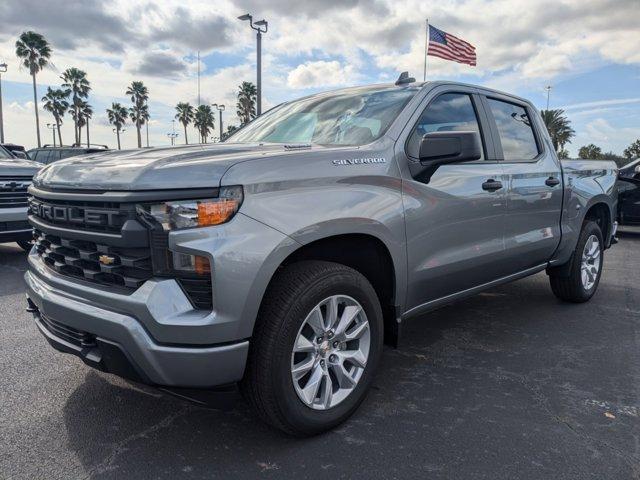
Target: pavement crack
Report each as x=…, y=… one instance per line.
x=121, y=446
x=543, y=402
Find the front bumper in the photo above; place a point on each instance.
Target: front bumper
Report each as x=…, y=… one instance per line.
x=14, y=225
x=119, y=344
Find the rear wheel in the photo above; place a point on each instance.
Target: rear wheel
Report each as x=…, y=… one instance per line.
x=586, y=267
x=315, y=348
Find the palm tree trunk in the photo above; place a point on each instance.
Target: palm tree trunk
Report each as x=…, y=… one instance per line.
x=59, y=134
x=139, y=134
x=186, y=142
x=88, y=132
x=35, y=104
x=118, y=136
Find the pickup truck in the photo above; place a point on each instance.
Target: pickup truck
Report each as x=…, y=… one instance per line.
x=280, y=261
x=15, y=178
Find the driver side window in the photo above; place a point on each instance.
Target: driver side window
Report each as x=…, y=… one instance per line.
x=448, y=112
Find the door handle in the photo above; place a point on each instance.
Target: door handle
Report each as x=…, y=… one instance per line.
x=492, y=185
x=552, y=182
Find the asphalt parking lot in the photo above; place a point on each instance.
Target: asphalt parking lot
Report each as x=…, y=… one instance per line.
x=508, y=384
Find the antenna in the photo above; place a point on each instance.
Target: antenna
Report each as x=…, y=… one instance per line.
x=198, y=77
x=404, y=78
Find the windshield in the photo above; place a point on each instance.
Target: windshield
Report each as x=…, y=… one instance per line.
x=5, y=153
x=350, y=117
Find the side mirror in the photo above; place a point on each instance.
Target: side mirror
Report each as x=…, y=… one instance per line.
x=440, y=148
x=637, y=170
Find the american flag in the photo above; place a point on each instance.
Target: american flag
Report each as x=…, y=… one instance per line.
x=445, y=45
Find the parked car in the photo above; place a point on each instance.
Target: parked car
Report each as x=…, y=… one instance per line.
x=280, y=260
x=629, y=192
x=15, y=178
x=49, y=154
x=17, y=150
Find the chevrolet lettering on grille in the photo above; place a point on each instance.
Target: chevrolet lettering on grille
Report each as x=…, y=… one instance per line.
x=78, y=215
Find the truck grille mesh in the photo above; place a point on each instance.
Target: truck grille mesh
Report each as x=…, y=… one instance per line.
x=104, y=264
x=13, y=191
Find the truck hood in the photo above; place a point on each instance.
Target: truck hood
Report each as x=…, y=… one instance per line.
x=198, y=166
x=18, y=167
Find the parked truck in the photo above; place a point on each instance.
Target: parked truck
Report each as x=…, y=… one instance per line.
x=281, y=260
x=15, y=177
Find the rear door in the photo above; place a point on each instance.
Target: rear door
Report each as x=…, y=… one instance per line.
x=454, y=219
x=534, y=182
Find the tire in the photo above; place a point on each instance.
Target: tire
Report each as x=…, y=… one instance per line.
x=268, y=385
x=25, y=245
x=572, y=288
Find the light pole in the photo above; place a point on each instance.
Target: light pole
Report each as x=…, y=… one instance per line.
x=3, y=69
x=173, y=135
x=220, y=109
x=261, y=26
x=52, y=127
x=548, y=89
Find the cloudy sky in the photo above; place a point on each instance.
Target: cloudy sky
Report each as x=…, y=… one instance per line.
x=588, y=50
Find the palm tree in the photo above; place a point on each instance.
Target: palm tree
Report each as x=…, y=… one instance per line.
x=86, y=112
x=76, y=81
x=139, y=113
x=55, y=102
x=117, y=115
x=246, y=106
x=185, y=116
x=203, y=121
x=34, y=52
x=559, y=128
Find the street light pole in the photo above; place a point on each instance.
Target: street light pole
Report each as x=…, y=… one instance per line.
x=3, y=69
x=220, y=109
x=261, y=26
x=548, y=88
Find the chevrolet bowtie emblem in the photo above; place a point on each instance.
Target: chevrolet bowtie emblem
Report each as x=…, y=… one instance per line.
x=106, y=260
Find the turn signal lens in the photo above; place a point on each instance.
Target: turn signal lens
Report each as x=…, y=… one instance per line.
x=215, y=213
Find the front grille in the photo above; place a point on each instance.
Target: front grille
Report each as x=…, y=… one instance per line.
x=104, y=264
x=106, y=243
x=108, y=217
x=13, y=191
x=69, y=334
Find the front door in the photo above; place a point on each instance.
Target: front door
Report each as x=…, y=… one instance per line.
x=454, y=219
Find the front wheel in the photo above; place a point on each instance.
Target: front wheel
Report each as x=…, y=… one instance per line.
x=315, y=348
x=586, y=267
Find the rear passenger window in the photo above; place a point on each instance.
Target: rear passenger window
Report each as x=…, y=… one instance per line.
x=448, y=112
x=515, y=130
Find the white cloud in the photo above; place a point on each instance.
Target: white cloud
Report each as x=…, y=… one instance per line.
x=321, y=74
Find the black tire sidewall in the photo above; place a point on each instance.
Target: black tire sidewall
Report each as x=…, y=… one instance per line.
x=302, y=418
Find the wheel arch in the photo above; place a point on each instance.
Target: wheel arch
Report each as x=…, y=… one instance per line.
x=364, y=252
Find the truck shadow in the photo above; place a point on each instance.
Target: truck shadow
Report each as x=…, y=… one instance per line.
x=462, y=367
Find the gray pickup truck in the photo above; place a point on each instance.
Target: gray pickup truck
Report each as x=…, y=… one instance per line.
x=15, y=178
x=281, y=260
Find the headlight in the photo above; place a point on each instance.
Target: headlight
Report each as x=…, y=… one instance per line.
x=179, y=214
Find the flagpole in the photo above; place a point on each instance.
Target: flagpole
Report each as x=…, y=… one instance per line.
x=426, y=49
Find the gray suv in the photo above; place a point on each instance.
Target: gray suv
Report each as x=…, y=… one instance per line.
x=280, y=260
